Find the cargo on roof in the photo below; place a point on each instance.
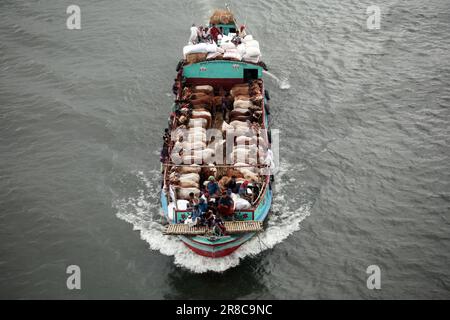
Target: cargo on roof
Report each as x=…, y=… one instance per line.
x=222, y=17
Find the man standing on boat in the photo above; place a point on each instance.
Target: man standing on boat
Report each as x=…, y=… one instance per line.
x=194, y=35
x=242, y=32
x=214, y=32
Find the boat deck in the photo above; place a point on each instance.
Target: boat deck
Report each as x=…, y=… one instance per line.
x=232, y=227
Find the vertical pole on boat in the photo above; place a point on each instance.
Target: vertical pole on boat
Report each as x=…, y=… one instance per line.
x=227, y=6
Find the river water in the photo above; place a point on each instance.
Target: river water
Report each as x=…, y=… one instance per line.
x=364, y=145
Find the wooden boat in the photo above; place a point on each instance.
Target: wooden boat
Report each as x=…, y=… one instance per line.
x=222, y=75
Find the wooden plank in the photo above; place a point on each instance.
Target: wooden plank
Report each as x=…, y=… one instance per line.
x=232, y=227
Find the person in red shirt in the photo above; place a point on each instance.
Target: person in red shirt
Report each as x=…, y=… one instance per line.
x=214, y=33
x=243, y=32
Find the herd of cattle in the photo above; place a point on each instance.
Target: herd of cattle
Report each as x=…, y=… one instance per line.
x=196, y=154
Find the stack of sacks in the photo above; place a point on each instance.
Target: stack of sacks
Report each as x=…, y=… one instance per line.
x=192, y=58
x=199, y=48
x=199, y=52
x=252, y=51
x=225, y=42
x=240, y=203
x=216, y=55
x=230, y=49
x=241, y=49
x=232, y=54
x=182, y=204
x=227, y=45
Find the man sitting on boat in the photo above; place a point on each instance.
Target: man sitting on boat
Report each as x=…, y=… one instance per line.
x=193, y=200
x=206, y=35
x=214, y=32
x=212, y=187
x=243, y=191
x=219, y=228
x=226, y=204
x=232, y=185
x=209, y=218
x=237, y=40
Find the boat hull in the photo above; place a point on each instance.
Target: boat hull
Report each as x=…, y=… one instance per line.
x=216, y=251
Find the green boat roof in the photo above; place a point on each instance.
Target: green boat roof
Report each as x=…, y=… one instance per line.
x=222, y=69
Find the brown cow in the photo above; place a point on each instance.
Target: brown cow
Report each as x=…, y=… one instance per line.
x=240, y=113
x=204, y=89
x=202, y=107
x=234, y=172
x=240, y=91
x=217, y=101
x=257, y=100
x=197, y=114
x=241, y=85
x=205, y=100
x=243, y=98
x=196, y=96
x=241, y=118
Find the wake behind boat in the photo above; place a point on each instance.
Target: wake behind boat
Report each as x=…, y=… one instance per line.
x=217, y=158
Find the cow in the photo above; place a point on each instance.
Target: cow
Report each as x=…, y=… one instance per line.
x=183, y=193
x=190, y=180
x=242, y=104
x=198, y=123
x=207, y=100
x=187, y=169
x=240, y=92
x=202, y=115
x=242, y=97
x=204, y=89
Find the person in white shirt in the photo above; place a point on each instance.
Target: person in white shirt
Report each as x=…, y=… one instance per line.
x=194, y=35
x=206, y=35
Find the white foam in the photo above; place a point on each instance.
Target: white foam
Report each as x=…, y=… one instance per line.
x=283, y=84
x=144, y=213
